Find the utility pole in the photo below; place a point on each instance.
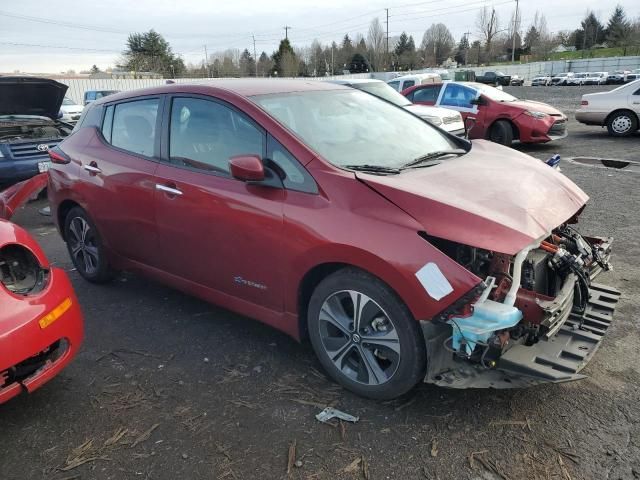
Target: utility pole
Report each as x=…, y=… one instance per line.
x=466, y=50
x=255, y=58
x=286, y=31
x=332, y=72
x=387, y=54
x=206, y=60
x=514, y=33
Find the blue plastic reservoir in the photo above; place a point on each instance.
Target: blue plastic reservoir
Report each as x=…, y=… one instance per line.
x=488, y=316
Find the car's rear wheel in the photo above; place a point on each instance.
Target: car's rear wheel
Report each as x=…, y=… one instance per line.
x=85, y=247
x=364, y=335
x=502, y=133
x=622, y=123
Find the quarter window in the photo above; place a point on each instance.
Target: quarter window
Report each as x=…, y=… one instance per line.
x=294, y=176
x=206, y=134
x=107, y=123
x=133, y=126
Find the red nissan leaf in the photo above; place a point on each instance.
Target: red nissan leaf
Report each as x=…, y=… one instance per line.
x=401, y=252
x=40, y=320
x=498, y=116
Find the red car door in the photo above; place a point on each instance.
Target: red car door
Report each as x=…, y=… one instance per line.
x=117, y=180
x=214, y=230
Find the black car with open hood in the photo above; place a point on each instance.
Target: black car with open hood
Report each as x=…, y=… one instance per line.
x=29, y=125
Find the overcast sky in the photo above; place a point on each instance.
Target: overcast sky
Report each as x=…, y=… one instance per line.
x=89, y=32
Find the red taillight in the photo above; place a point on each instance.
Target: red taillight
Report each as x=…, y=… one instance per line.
x=58, y=157
x=584, y=102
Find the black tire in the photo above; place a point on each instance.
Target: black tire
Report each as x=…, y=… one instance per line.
x=502, y=133
x=622, y=123
x=402, y=370
x=86, y=249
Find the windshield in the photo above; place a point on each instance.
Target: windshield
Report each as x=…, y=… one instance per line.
x=383, y=91
x=349, y=127
x=494, y=93
x=68, y=101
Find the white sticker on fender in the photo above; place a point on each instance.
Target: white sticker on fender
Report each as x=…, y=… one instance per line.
x=433, y=281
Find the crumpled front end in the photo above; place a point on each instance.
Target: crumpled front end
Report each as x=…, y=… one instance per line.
x=538, y=316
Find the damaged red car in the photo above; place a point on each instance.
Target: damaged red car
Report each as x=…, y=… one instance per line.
x=40, y=321
x=401, y=252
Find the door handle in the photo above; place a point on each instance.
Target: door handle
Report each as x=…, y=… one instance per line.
x=92, y=169
x=166, y=189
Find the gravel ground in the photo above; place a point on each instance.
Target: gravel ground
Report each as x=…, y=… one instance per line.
x=167, y=386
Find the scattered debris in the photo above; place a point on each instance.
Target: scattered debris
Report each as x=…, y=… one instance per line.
x=82, y=454
x=298, y=464
x=205, y=359
x=365, y=468
x=330, y=412
x=116, y=437
x=292, y=457
x=145, y=436
x=185, y=456
x=434, y=448
x=353, y=466
x=488, y=464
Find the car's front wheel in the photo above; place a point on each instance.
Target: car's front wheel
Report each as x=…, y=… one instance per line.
x=622, y=123
x=364, y=335
x=502, y=133
x=85, y=247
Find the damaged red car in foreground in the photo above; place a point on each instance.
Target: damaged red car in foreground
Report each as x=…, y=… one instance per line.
x=403, y=253
x=40, y=320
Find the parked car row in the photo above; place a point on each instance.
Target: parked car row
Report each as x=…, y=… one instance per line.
x=584, y=78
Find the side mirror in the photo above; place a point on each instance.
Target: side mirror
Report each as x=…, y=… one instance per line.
x=478, y=101
x=248, y=168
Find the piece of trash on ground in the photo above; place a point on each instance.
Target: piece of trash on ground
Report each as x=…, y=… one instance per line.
x=330, y=412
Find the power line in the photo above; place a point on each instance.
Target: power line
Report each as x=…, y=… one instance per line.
x=17, y=44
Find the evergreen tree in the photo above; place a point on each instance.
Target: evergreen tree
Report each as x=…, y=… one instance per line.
x=591, y=32
x=462, y=51
x=150, y=52
x=618, y=28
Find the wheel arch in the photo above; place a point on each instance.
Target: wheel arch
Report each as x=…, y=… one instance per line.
x=620, y=110
x=63, y=210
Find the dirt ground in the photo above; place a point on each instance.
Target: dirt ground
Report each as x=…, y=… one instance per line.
x=169, y=387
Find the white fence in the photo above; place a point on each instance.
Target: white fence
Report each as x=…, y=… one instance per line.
x=77, y=87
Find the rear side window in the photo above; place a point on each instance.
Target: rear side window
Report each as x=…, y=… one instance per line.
x=426, y=94
x=407, y=84
x=395, y=85
x=205, y=134
x=133, y=126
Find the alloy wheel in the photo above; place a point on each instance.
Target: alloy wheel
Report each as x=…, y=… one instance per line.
x=359, y=337
x=82, y=245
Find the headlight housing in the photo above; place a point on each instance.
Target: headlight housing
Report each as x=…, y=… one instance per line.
x=534, y=114
x=432, y=120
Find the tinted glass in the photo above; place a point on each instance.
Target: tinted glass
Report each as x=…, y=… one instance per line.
x=426, y=94
x=107, y=123
x=407, y=84
x=395, y=85
x=134, y=125
x=350, y=127
x=294, y=176
x=206, y=134
x=458, y=96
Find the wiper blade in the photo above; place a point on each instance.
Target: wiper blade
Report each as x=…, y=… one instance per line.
x=373, y=168
x=423, y=161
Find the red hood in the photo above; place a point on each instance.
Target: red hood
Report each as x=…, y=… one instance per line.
x=493, y=198
x=535, y=107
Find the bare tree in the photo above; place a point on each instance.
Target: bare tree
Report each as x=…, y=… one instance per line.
x=376, y=43
x=488, y=24
x=437, y=44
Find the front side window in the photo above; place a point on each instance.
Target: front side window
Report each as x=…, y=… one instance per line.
x=134, y=125
x=350, y=127
x=429, y=94
x=205, y=134
x=458, y=96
